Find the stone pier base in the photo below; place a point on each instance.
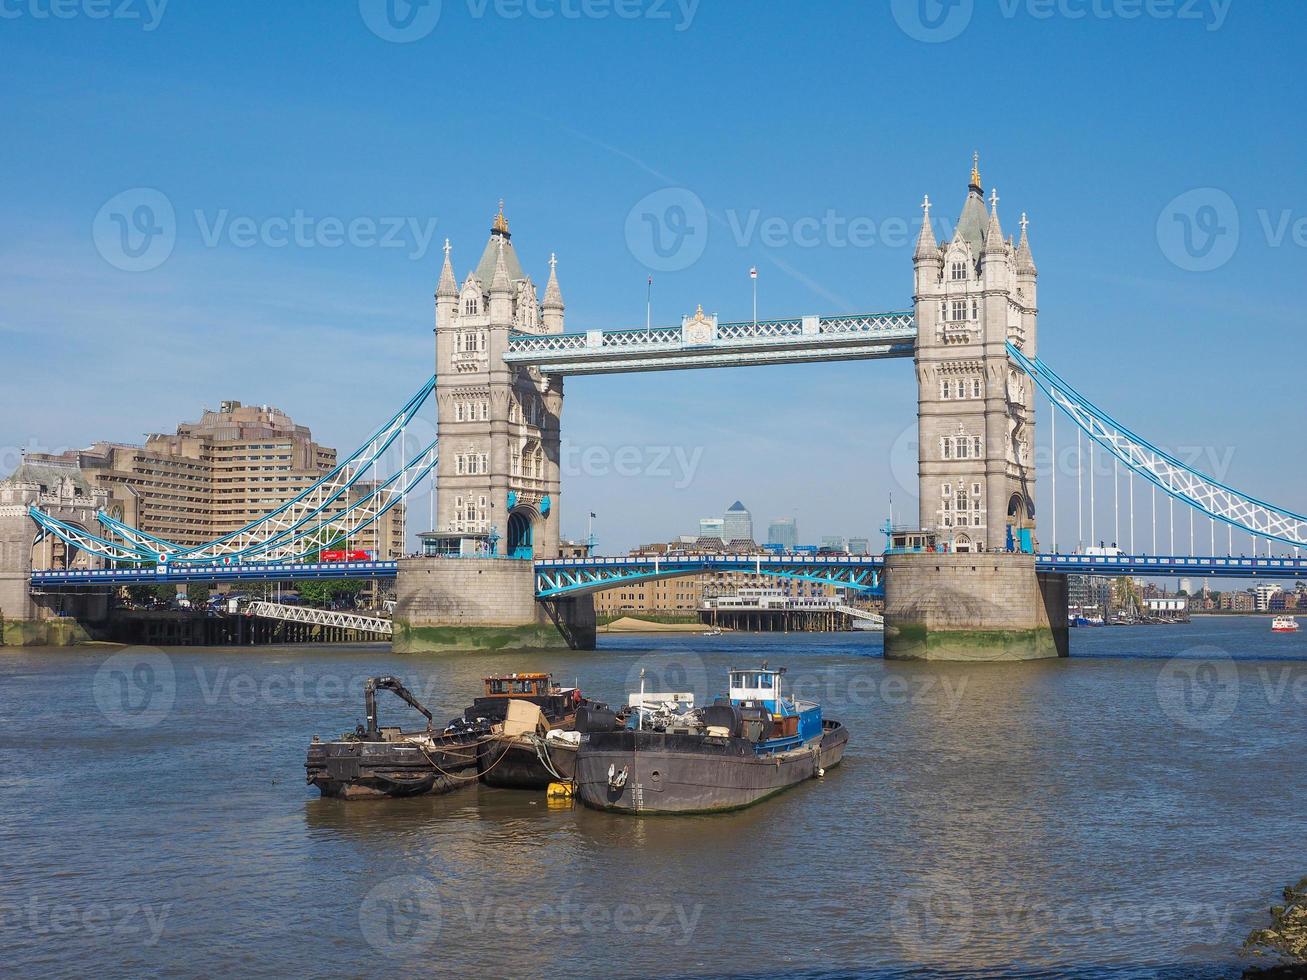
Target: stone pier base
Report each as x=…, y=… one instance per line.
x=990, y=606
x=461, y=604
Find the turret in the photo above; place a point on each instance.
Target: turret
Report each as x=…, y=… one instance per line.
x=501, y=291
x=446, y=293
x=553, y=304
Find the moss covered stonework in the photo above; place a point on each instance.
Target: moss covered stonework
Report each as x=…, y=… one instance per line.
x=990, y=606
x=43, y=633
x=453, y=639
x=455, y=604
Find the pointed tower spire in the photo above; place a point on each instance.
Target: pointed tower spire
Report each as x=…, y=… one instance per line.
x=994, y=234
x=926, y=246
x=551, y=310
x=553, y=294
x=975, y=174
x=1025, y=259
x=448, y=285
x=499, y=283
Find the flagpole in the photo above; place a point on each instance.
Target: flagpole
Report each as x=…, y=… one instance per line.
x=648, y=306
x=753, y=274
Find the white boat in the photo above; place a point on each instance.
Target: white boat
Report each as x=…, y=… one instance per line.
x=1284, y=624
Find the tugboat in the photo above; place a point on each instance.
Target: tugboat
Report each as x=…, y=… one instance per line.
x=531, y=714
x=728, y=755
x=373, y=761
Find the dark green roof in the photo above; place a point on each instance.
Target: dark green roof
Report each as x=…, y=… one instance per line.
x=486, y=267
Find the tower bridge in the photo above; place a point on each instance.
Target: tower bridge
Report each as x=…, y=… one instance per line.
x=494, y=575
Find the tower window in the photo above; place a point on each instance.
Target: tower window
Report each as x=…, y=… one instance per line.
x=959, y=309
x=946, y=388
x=958, y=272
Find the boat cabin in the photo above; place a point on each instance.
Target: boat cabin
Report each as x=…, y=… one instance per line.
x=518, y=686
x=792, y=723
x=538, y=688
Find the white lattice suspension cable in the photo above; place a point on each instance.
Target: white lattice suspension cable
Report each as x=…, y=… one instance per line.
x=1080, y=494
x=1154, y=520
x=1131, y=477
x=1052, y=428
x=1254, y=516
x=383, y=500
x=1116, y=504
x=1093, y=534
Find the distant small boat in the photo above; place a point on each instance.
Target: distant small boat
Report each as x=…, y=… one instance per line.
x=1284, y=624
x=712, y=632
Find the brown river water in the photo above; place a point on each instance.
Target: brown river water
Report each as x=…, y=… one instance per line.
x=1128, y=812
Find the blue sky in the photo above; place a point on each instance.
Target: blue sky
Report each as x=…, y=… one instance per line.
x=1094, y=117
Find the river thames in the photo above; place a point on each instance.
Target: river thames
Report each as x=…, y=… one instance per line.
x=1130, y=811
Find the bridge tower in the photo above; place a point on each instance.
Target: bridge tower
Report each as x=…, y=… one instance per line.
x=978, y=597
x=63, y=493
x=975, y=409
x=498, y=476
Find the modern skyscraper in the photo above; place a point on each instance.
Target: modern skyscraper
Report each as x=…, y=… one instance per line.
x=712, y=527
x=737, y=525
x=783, y=532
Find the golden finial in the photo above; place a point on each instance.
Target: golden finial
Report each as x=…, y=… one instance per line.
x=975, y=168
x=698, y=314
x=501, y=223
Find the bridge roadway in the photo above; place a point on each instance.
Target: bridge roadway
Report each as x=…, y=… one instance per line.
x=559, y=577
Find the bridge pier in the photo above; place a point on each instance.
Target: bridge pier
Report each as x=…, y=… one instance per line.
x=461, y=604
x=988, y=606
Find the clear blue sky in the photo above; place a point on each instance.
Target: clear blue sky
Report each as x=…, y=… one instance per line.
x=574, y=112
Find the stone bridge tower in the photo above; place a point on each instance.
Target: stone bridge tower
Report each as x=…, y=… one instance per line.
x=975, y=409
x=498, y=479
x=64, y=494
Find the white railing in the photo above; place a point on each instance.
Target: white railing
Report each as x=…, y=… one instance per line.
x=321, y=617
